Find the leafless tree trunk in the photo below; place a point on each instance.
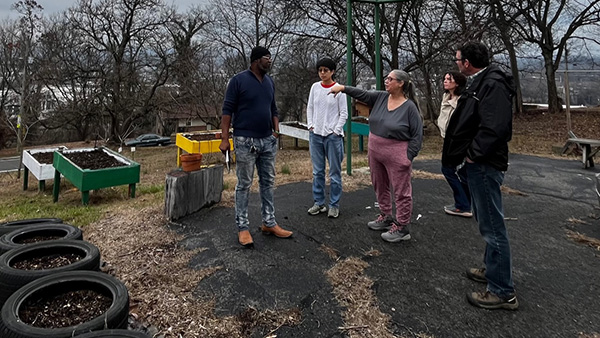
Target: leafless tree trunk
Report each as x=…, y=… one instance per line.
x=550, y=24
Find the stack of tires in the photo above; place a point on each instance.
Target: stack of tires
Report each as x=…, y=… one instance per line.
x=44, y=261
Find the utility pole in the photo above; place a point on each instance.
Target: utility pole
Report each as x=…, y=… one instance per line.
x=567, y=91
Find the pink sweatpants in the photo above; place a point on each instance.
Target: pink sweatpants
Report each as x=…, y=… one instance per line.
x=391, y=169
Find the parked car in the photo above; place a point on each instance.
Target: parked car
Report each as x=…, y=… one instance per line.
x=148, y=140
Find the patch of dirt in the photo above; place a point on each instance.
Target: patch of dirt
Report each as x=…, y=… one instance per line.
x=47, y=262
x=93, y=160
x=36, y=239
x=46, y=157
x=65, y=309
x=203, y=136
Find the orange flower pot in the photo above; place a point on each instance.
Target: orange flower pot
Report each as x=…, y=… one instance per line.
x=191, y=162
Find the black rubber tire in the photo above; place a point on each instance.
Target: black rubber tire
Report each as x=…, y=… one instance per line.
x=14, y=225
x=114, y=318
x=114, y=334
x=65, y=231
x=11, y=279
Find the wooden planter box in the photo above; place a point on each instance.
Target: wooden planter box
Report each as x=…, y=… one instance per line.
x=186, y=142
x=87, y=179
x=288, y=128
x=41, y=171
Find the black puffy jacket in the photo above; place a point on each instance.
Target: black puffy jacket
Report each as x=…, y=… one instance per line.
x=481, y=125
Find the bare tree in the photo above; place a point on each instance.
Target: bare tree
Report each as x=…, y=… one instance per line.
x=68, y=72
x=550, y=24
x=21, y=54
x=137, y=55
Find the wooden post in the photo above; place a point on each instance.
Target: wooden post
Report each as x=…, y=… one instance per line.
x=25, y=177
x=188, y=192
x=56, y=187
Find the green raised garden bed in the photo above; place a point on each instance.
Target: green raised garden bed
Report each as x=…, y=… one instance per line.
x=108, y=169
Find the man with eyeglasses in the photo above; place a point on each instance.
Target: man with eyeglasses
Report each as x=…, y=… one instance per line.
x=477, y=138
x=250, y=108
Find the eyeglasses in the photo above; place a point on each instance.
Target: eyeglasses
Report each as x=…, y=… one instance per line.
x=389, y=78
x=266, y=57
x=457, y=60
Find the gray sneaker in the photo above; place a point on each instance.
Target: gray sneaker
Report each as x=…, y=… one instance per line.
x=333, y=212
x=396, y=234
x=317, y=209
x=383, y=222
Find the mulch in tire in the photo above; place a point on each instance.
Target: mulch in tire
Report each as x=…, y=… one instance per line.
x=38, y=233
x=27, y=263
x=86, y=294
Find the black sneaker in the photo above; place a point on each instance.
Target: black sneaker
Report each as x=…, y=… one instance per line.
x=488, y=300
x=476, y=274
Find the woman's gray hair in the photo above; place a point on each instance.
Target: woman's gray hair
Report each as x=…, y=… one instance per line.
x=409, y=87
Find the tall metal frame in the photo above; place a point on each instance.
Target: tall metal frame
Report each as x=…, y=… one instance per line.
x=378, y=79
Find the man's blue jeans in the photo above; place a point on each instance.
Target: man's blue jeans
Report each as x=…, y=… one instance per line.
x=460, y=188
x=484, y=183
x=330, y=147
x=251, y=152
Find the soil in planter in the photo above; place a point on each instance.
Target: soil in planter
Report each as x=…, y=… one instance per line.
x=360, y=119
x=201, y=137
x=63, y=310
x=44, y=158
x=35, y=239
x=47, y=262
x=95, y=159
x=297, y=125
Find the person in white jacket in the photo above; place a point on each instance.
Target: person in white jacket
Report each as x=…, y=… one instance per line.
x=326, y=116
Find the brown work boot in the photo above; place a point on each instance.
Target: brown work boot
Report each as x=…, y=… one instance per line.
x=276, y=230
x=476, y=274
x=245, y=238
x=488, y=300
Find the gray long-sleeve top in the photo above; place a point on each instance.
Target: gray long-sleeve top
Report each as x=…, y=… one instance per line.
x=403, y=123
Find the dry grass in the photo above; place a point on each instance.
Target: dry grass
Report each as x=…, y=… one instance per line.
x=581, y=238
x=352, y=289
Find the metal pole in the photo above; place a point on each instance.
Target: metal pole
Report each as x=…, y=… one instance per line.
x=379, y=82
x=567, y=91
x=349, y=82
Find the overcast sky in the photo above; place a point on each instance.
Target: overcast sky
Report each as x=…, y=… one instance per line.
x=57, y=6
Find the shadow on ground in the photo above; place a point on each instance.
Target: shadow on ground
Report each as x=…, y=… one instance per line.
x=421, y=283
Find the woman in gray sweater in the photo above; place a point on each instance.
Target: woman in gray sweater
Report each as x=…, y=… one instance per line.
x=395, y=138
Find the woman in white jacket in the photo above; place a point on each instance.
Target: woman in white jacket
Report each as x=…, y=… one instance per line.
x=454, y=84
x=326, y=116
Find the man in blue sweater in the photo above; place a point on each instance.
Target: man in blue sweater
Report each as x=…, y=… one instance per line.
x=250, y=107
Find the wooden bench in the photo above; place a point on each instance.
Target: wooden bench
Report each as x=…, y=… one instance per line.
x=589, y=148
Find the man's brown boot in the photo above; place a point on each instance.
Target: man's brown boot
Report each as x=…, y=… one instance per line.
x=245, y=238
x=276, y=230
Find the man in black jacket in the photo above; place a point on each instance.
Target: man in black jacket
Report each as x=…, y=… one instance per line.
x=477, y=138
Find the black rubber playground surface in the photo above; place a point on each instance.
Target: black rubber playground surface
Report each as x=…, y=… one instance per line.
x=419, y=283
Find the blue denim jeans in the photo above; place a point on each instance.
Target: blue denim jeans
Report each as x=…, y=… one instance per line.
x=484, y=183
x=251, y=152
x=460, y=187
x=330, y=147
